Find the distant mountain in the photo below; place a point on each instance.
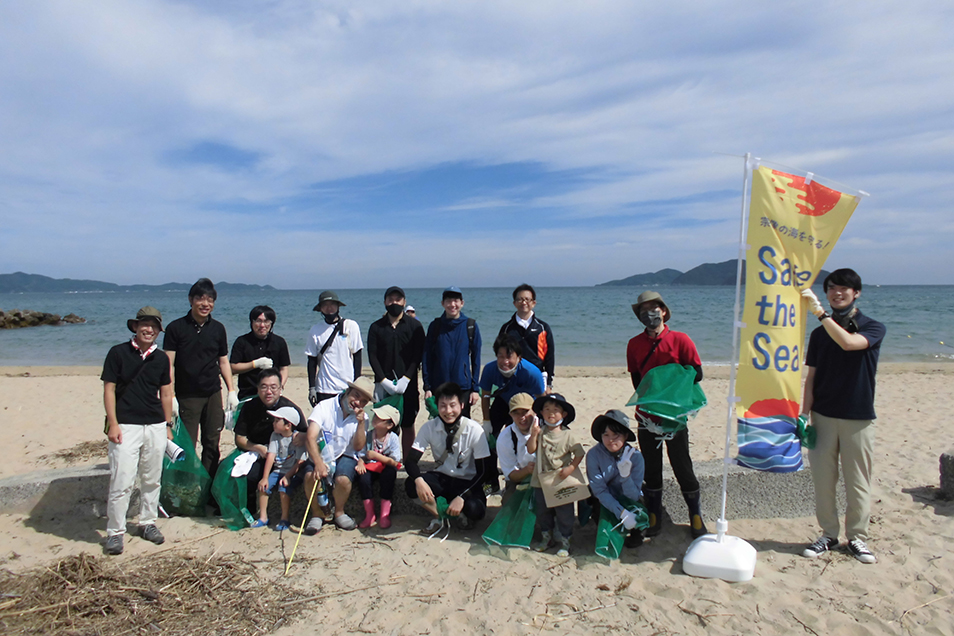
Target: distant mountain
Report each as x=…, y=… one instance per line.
x=662, y=277
x=19, y=282
x=705, y=274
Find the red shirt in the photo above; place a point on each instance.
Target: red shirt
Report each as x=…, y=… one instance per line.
x=674, y=347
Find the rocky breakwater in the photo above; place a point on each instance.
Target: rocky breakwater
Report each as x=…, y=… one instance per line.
x=29, y=318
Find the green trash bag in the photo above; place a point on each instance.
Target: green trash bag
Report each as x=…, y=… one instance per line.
x=670, y=394
x=514, y=523
x=186, y=483
x=231, y=493
x=610, y=533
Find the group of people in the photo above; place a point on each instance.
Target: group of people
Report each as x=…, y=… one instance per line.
x=524, y=434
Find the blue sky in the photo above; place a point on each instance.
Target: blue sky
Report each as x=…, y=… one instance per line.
x=341, y=144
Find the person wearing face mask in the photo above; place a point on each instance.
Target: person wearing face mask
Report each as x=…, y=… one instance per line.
x=842, y=361
x=655, y=346
x=395, y=350
x=502, y=379
x=333, y=349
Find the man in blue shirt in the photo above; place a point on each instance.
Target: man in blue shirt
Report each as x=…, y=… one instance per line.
x=842, y=361
x=452, y=350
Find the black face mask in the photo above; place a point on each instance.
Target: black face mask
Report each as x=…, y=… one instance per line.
x=395, y=310
x=331, y=318
x=652, y=318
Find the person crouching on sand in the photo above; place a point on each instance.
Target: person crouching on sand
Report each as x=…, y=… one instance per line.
x=615, y=469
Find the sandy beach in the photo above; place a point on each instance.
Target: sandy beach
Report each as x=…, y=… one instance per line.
x=51, y=417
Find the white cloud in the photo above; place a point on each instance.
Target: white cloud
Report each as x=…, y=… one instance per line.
x=97, y=97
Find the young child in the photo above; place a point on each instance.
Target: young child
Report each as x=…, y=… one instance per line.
x=281, y=466
x=380, y=461
x=615, y=469
x=555, y=449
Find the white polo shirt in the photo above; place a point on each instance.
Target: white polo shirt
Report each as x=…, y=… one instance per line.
x=339, y=427
x=461, y=460
x=336, y=367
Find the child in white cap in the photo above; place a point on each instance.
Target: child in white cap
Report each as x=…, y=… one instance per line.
x=380, y=462
x=281, y=466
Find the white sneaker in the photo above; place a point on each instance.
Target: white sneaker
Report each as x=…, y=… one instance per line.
x=858, y=549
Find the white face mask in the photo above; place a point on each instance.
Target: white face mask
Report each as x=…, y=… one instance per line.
x=508, y=373
x=555, y=424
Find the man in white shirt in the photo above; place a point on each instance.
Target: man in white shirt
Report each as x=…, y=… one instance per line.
x=334, y=350
x=516, y=463
x=459, y=446
x=341, y=423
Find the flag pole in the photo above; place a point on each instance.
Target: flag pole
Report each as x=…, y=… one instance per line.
x=719, y=555
x=722, y=525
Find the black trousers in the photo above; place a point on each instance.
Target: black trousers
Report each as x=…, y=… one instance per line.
x=385, y=478
x=475, y=503
x=204, y=415
x=678, y=450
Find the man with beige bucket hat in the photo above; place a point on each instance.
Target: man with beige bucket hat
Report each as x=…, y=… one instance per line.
x=655, y=346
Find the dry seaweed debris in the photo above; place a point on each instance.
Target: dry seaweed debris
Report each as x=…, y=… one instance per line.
x=82, y=452
x=163, y=594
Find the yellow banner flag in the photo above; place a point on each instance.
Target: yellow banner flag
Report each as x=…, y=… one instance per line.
x=794, y=223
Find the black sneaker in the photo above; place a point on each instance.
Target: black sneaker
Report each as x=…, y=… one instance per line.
x=151, y=533
x=858, y=549
x=114, y=544
x=822, y=545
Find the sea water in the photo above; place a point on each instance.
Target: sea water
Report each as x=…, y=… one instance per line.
x=591, y=325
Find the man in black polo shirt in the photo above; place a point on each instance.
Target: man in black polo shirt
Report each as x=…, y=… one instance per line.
x=254, y=426
x=842, y=361
x=535, y=335
x=395, y=350
x=137, y=395
x=258, y=349
x=198, y=348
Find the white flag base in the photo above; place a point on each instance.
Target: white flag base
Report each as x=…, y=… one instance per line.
x=719, y=556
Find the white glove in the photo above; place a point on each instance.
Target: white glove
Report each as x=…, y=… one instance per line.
x=488, y=428
x=625, y=463
x=402, y=385
x=175, y=407
x=628, y=519
x=388, y=386
x=232, y=402
x=262, y=363
x=814, y=306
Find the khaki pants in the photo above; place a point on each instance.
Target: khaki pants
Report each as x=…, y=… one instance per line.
x=853, y=442
x=140, y=454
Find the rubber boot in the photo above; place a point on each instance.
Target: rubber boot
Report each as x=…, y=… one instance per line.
x=696, y=525
x=368, y=514
x=653, y=498
x=385, y=520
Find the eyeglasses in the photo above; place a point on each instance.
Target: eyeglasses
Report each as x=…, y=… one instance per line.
x=259, y=321
x=526, y=301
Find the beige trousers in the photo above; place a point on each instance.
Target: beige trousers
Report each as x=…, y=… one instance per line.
x=853, y=442
x=140, y=455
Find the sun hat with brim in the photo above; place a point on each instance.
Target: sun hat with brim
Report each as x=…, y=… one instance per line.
x=364, y=385
x=145, y=312
x=521, y=401
x=289, y=413
x=327, y=295
x=613, y=416
x=388, y=412
x=647, y=296
x=559, y=399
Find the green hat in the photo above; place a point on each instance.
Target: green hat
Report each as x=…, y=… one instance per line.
x=145, y=312
x=327, y=295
